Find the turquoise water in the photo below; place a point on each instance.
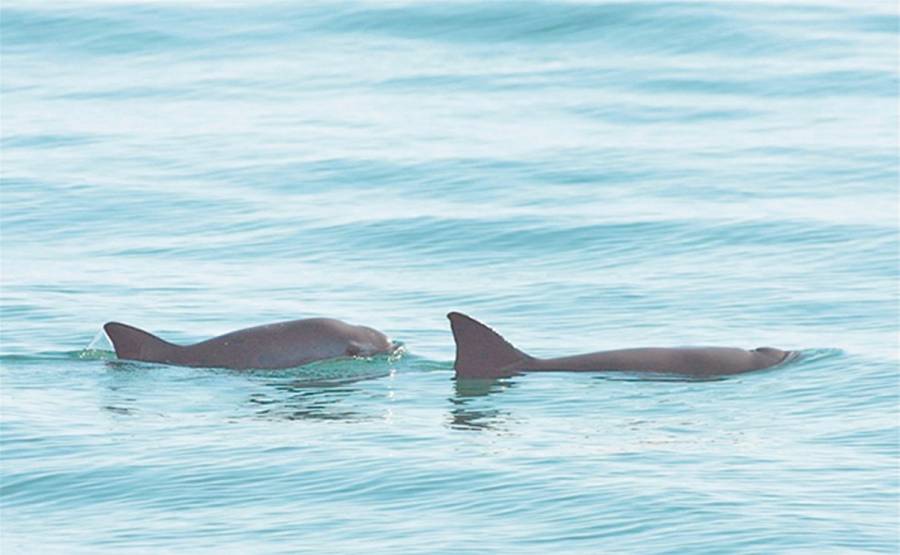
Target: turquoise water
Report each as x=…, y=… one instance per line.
x=579, y=175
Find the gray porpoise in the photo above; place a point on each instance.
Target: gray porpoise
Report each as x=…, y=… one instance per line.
x=281, y=345
x=483, y=353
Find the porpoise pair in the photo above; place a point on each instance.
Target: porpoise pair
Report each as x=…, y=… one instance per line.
x=480, y=351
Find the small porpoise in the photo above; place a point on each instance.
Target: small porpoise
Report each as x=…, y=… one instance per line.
x=483, y=353
x=272, y=346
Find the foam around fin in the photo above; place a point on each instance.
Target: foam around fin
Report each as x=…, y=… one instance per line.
x=480, y=351
x=132, y=343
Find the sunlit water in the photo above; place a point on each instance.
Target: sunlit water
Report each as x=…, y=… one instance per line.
x=580, y=176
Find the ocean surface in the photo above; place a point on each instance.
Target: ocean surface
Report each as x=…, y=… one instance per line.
x=579, y=175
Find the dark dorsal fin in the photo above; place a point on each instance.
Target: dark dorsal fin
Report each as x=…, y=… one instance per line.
x=480, y=351
x=135, y=344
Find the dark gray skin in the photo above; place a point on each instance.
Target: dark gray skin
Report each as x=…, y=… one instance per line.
x=483, y=353
x=272, y=346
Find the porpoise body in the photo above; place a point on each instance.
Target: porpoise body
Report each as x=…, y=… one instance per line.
x=483, y=353
x=271, y=346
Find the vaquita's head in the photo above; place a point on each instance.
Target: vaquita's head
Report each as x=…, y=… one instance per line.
x=378, y=341
x=771, y=356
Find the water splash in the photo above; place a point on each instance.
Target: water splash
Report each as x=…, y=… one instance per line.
x=100, y=348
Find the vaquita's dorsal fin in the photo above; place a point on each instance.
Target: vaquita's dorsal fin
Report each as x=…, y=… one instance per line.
x=480, y=351
x=132, y=343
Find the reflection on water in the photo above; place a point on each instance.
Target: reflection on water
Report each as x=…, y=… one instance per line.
x=326, y=390
x=615, y=376
x=468, y=408
x=293, y=402
x=304, y=400
x=336, y=389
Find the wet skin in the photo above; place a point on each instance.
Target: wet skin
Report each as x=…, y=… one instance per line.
x=482, y=353
x=271, y=346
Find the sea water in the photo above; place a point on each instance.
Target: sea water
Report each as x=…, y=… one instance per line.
x=579, y=175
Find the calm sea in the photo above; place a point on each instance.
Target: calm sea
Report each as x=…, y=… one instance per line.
x=579, y=175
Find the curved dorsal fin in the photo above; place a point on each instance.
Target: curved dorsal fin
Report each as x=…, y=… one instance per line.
x=480, y=351
x=132, y=343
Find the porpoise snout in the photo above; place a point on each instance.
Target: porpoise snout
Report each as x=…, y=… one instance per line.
x=776, y=356
x=379, y=342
